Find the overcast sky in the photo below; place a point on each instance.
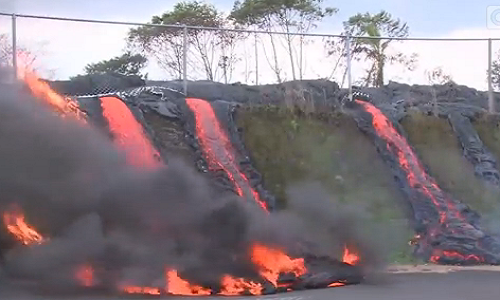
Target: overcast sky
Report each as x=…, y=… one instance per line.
x=68, y=47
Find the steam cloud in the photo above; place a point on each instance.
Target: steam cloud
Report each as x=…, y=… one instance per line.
x=76, y=189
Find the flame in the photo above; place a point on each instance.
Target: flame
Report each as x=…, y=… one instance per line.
x=17, y=226
x=85, y=275
x=129, y=134
x=41, y=89
x=236, y=286
x=179, y=286
x=218, y=150
x=272, y=262
x=349, y=257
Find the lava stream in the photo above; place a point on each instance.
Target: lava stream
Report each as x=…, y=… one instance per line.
x=416, y=176
x=129, y=134
x=415, y=172
x=218, y=150
x=219, y=154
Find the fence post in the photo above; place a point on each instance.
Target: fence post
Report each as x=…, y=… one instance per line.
x=14, y=47
x=184, y=59
x=491, y=100
x=348, y=63
x=256, y=49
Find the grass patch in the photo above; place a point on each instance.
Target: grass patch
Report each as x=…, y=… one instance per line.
x=488, y=129
x=288, y=148
x=438, y=147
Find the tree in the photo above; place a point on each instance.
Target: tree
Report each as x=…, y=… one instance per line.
x=288, y=16
x=126, y=64
x=437, y=76
x=373, y=49
x=495, y=72
x=26, y=58
x=212, y=49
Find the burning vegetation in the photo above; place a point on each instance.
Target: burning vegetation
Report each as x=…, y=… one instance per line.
x=117, y=219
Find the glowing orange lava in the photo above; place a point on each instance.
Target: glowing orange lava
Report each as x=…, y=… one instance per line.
x=15, y=223
x=272, y=262
x=438, y=254
x=414, y=170
x=179, y=286
x=349, y=257
x=218, y=150
x=129, y=134
x=236, y=286
x=416, y=175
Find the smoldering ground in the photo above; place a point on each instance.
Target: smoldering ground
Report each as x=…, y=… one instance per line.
x=95, y=210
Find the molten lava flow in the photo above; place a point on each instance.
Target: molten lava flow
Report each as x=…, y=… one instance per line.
x=218, y=150
x=437, y=255
x=40, y=89
x=179, y=286
x=128, y=134
x=416, y=174
x=85, y=275
x=418, y=179
x=236, y=286
x=272, y=262
x=17, y=226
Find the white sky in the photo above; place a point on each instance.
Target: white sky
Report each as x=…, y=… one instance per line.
x=66, y=47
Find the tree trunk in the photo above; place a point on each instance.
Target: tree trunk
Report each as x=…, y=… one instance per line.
x=290, y=50
x=380, y=71
x=276, y=69
x=434, y=102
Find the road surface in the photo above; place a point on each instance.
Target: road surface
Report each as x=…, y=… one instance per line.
x=458, y=285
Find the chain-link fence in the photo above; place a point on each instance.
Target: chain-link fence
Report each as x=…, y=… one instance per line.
x=60, y=48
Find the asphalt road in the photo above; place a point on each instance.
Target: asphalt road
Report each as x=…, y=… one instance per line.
x=461, y=285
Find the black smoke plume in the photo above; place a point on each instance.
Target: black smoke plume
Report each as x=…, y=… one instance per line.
x=128, y=224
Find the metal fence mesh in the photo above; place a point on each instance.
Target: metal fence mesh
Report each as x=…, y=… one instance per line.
x=61, y=49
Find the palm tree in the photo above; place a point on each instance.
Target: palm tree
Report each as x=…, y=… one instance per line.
x=372, y=48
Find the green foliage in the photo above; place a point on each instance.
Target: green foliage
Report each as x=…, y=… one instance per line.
x=166, y=44
x=126, y=64
x=285, y=15
x=495, y=72
x=373, y=49
x=438, y=147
